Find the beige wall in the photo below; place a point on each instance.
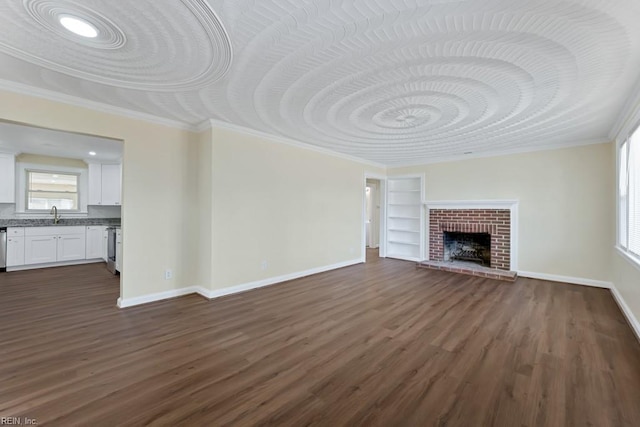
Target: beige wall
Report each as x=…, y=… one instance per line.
x=565, y=218
x=294, y=208
x=156, y=197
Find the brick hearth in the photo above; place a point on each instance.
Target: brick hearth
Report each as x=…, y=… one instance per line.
x=496, y=222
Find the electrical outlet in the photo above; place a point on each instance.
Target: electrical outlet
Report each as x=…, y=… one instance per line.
x=351, y=250
x=168, y=274
x=264, y=265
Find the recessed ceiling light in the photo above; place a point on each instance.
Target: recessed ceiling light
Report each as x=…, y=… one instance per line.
x=78, y=26
x=92, y=153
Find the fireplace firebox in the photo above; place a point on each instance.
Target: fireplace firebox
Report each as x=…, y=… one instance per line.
x=473, y=247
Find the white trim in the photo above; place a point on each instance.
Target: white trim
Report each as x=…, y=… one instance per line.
x=511, y=204
x=75, y=101
x=144, y=299
x=212, y=124
x=21, y=190
x=499, y=153
x=626, y=311
x=382, y=237
x=403, y=258
x=216, y=293
x=210, y=294
x=54, y=264
x=471, y=204
x=567, y=279
x=629, y=257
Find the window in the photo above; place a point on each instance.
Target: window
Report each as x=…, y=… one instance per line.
x=629, y=195
x=48, y=189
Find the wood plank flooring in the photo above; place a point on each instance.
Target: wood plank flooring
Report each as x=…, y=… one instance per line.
x=378, y=344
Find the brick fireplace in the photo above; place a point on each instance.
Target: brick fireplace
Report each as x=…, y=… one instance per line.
x=495, y=222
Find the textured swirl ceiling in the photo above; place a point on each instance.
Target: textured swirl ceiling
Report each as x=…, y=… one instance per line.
x=390, y=81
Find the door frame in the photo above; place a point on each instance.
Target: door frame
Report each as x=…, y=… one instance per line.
x=382, y=221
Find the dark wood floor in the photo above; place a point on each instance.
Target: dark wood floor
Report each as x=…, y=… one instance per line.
x=377, y=344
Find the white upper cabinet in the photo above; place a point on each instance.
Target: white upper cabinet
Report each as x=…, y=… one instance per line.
x=95, y=184
x=7, y=178
x=111, y=185
x=105, y=184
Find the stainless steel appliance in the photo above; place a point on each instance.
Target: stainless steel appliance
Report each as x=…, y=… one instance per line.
x=3, y=249
x=111, y=249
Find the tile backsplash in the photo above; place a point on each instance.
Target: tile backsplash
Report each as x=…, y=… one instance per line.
x=8, y=211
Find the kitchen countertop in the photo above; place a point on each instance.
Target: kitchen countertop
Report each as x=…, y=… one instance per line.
x=47, y=222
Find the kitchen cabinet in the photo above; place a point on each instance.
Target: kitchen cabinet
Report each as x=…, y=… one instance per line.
x=111, y=185
x=71, y=247
x=40, y=249
x=44, y=245
x=7, y=178
x=95, y=184
x=95, y=242
x=119, y=250
x=105, y=244
x=105, y=184
x=15, y=246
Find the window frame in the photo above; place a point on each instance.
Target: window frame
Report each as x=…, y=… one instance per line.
x=22, y=189
x=40, y=170
x=622, y=202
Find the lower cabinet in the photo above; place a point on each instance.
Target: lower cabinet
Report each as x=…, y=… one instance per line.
x=71, y=247
x=51, y=245
x=45, y=245
x=15, y=251
x=119, y=249
x=40, y=249
x=105, y=244
x=95, y=242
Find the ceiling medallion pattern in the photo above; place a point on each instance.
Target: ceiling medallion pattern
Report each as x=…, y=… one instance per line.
x=179, y=46
x=394, y=82
x=48, y=13
x=410, y=84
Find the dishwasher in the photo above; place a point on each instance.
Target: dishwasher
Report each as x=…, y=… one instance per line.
x=3, y=249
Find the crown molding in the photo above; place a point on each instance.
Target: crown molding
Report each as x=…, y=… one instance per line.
x=75, y=101
x=628, y=117
x=500, y=153
x=213, y=123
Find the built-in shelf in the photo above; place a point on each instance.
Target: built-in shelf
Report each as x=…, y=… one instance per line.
x=404, y=203
x=404, y=243
x=404, y=231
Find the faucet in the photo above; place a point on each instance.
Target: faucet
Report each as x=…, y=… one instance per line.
x=54, y=212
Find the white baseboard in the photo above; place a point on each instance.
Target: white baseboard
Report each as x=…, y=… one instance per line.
x=210, y=294
x=626, y=311
x=144, y=299
x=216, y=293
x=55, y=264
x=567, y=279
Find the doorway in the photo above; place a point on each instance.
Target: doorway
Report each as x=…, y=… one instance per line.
x=374, y=218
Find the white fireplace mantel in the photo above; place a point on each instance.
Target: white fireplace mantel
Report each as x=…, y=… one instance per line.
x=472, y=204
x=512, y=205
